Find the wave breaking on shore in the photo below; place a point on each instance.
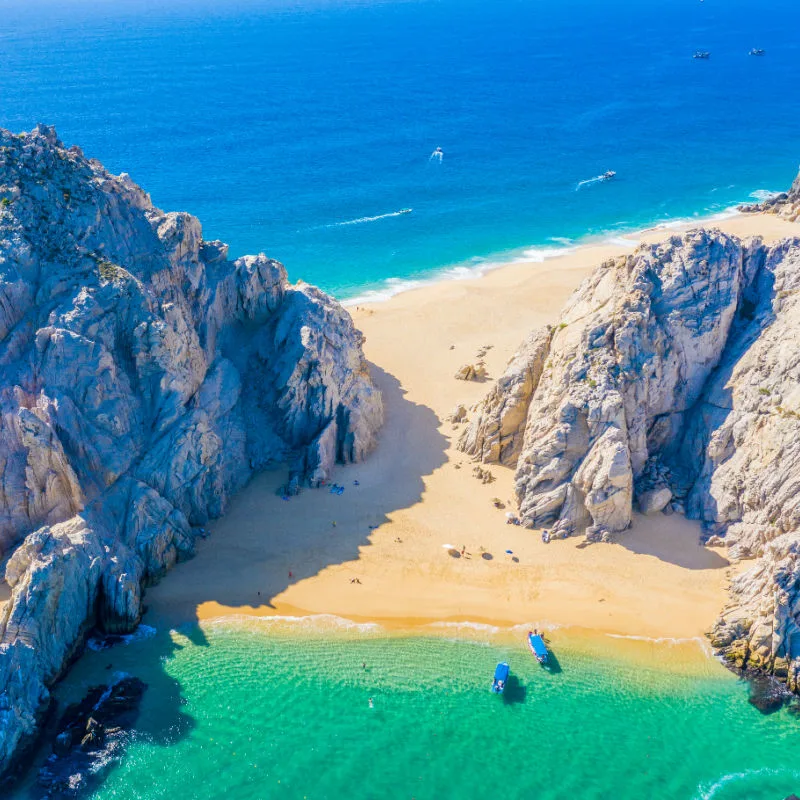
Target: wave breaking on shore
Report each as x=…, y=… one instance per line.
x=478, y=266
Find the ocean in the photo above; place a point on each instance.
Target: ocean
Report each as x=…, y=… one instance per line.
x=301, y=127
x=258, y=709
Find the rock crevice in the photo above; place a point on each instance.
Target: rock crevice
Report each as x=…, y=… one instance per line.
x=145, y=378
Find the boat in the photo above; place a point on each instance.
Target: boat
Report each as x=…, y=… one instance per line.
x=405, y=210
x=538, y=647
x=500, y=678
x=757, y=51
x=702, y=54
x=607, y=176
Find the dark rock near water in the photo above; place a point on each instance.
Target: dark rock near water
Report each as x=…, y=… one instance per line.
x=767, y=694
x=90, y=738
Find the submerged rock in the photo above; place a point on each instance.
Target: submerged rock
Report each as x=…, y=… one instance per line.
x=767, y=694
x=90, y=738
x=145, y=378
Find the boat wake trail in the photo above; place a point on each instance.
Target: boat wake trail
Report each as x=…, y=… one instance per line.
x=606, y=176
x=362, y=220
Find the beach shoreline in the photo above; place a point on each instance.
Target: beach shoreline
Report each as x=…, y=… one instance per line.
x=415, y=539
x=624, y=240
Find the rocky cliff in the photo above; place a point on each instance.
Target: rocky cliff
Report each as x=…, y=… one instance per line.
x=784, y=204
x=671, y=382
x=145, y=378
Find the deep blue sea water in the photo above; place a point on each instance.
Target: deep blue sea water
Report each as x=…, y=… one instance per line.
x=274, y=120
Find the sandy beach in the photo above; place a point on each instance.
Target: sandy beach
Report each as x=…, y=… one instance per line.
x=378, y=551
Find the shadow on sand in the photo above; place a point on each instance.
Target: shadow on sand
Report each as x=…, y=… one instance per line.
x=673, y=539
x=270, y=544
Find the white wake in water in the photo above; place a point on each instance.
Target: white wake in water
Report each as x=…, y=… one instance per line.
x=590, y=181
x=362, y=220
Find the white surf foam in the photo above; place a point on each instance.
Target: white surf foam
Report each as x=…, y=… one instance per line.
x=479, y=266
x=760, y=195
x=709, y=791
x=314, y=623
x=477, y=627
x=476, y=268
x=142, y=632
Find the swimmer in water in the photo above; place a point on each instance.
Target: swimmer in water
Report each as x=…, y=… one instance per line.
x=371, y=703
x=437, y=154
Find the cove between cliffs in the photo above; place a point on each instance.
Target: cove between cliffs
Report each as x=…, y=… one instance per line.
x=414, y=494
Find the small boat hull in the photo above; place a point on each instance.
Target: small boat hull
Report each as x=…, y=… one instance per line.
x=500, y=678
x=538, y=647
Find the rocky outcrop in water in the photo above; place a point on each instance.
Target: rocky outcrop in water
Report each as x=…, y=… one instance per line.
x=90, y=738
x=670, y=383
x=785, y=205
x=146, y=377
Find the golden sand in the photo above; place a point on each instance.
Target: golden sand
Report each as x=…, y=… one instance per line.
x=377, y=552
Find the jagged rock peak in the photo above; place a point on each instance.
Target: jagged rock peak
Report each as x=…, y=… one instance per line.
x=145, y=378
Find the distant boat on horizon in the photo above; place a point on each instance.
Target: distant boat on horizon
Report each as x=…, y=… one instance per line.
x=757, y=51
x=701, y=54
x=602, y=178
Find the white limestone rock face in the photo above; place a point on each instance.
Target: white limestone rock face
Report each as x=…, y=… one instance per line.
x=672, y=382
x=495, y=434
x=630, y=355
x=745, y=437
x=145, y=378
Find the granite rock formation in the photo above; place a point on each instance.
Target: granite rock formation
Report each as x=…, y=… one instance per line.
x=785, y=205
x=671, y=383
x=146, y=377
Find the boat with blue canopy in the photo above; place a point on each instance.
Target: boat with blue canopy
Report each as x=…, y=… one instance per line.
x=538, y=647
x=500, y=678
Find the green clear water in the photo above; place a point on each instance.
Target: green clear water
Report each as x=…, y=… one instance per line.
x=239, y=712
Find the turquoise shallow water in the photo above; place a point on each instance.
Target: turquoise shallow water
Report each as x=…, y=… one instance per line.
x=275, y=121
x=242, y=713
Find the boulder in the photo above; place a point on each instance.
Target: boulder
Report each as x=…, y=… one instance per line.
x=471, y=372
x=654, y=500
